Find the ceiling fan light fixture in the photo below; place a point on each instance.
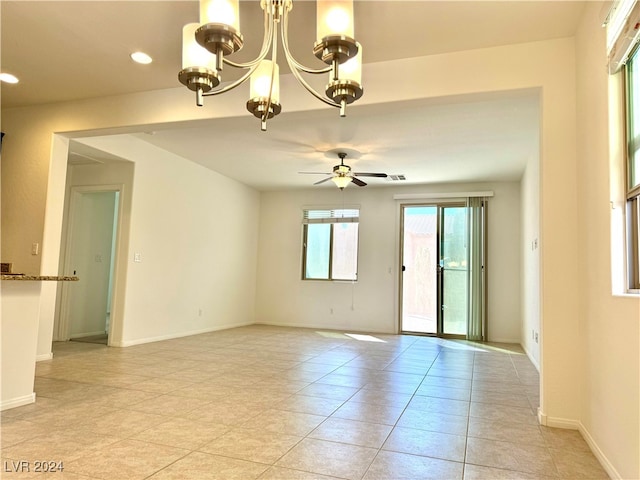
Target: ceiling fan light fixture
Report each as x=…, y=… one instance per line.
x=341, y=181
x=341, y=169
x=342, y=175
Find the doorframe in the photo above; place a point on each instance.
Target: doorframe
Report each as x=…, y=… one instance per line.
x=62, y=328
x=440, y=283
x=437, y=203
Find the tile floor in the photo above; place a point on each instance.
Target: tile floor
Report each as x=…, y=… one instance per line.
x=283, y=403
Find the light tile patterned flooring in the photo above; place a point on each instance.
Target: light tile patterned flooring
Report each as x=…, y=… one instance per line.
x=284, y=403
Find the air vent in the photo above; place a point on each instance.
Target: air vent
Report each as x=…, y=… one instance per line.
x=396, y=178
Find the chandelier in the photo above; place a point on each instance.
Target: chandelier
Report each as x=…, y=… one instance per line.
x=206, y=46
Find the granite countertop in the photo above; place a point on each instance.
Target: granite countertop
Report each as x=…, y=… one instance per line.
x=44, y=278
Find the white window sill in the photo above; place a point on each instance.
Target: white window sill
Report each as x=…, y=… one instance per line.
x=629, y=294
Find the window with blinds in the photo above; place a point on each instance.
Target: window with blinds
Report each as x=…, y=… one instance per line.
x=330, y=244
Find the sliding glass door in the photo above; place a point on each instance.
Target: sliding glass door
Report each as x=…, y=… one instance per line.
x=434, y=278
x=453, y=271
x=420, y=269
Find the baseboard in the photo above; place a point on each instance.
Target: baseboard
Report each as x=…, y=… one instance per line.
x=602, y=458
x=531, y=357
x=44, y=356
x=557, y=422
x=570, y=424
x=88, y=334
x=566, y=423
x=141, y=341
x=324, y=327
x=18, y=402
x=503, y=340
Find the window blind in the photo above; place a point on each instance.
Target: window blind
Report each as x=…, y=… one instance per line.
x=623, y=32
x=343, y=215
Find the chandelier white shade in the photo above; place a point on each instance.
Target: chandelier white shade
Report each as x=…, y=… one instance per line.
x=334, y=18
x=207, y=46
x=261, y=81
x=193, y=54
x=352, y=69
x=225, y=12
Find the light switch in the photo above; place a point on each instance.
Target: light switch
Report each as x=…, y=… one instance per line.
x=35, y=248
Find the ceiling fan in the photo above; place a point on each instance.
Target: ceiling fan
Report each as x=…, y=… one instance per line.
x=342, y=174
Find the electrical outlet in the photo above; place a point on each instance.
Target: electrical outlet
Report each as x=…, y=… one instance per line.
x=137, y=257
x=35, y=248
x=536, y=337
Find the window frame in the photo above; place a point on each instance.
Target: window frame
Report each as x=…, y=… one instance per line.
x=632, y=192
x=332, y=221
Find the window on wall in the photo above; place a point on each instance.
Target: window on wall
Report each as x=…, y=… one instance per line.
x=330, y=244
x=632, y=78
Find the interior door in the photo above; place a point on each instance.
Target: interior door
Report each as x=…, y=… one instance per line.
x=90, y=255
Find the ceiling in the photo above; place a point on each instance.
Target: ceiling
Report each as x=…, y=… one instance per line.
x=64, y=51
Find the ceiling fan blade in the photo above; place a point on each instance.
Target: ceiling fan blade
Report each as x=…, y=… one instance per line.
x=315, y=173
x=358, y=182
x=323, y=180
x=379, y=175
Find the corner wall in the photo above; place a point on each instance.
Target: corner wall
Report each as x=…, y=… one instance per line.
x=609, y=331
x=196, y=233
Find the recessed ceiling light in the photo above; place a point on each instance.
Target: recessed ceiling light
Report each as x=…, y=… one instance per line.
x=8, y=78
x=141, y=57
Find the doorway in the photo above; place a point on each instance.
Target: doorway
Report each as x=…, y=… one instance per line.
x=90, y=254
x=434, y=276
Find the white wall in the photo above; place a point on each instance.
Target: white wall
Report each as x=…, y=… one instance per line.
x=609, y=332
x=530, y=257
x=504, y=263
x=19, y=330
x=284, y=299
x=196, y=232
